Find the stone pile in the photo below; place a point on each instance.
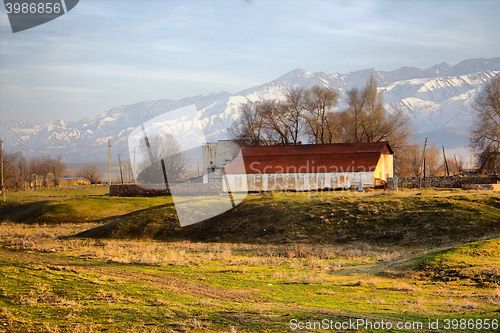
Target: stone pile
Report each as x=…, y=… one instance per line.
x=456, y=181
x=189, y=189
x=416, y=182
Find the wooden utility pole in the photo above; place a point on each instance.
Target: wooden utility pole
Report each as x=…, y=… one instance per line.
x=446, y=163
x=120, y=162
x=423, y=163
x=134, y=167
x=128, y=171
x=1, y=166
x=471, y=167
x=109, y=164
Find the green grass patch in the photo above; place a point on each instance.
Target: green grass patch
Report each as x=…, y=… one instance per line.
x=472, y=254
x=275, y=257
x=72, y=205
x=94, y=208
x=478, y=262
x=417, y=218
x=66, y=191
x=216, y=288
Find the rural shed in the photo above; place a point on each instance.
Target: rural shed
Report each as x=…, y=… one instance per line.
x=71, y=181
x=309, y=167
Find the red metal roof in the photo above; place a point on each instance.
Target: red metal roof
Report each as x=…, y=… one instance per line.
x=335, y=157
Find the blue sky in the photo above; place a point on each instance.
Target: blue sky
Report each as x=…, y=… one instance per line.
x=106, y=53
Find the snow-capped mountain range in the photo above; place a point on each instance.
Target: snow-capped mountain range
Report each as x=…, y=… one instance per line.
x=438, y=101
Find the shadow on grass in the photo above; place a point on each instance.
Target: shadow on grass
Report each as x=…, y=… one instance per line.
x=22, y=213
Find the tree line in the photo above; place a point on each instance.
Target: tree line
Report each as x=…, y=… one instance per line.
x=34, y=172
x=312, y=115
x=38, y=172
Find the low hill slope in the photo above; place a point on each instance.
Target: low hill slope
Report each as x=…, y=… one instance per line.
x=68, y=205
x=419, y=218
x=478, y=262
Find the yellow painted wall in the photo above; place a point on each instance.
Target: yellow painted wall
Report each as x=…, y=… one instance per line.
x=385, y=167
x=71, y=182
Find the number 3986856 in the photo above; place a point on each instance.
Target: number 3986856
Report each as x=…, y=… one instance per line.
x=33, y=8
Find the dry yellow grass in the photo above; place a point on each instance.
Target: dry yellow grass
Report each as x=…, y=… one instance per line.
x=51, y=239
x=217, y=278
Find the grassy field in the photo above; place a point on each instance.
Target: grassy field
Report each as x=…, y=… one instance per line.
x=425, y=218
x=381, y=257
x=75, y=204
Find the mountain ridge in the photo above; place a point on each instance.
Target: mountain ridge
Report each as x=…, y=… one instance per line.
x=434, y=99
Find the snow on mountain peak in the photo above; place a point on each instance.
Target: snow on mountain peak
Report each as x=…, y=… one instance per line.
x=298, y=72
x=439, y=68
x=436, y=98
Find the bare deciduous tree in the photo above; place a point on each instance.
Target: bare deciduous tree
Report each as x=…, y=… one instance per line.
x=320, y=104
x=10, y=171
x=270, y=121
x=262, y=123
x=251, y=128
x=312, y=113
x=38, y=171
x=91, y=172
x=410, y=161
x=23, y=171
x=365, y=119
x=56, y=167
x=485, y=136
x=295, y=108
x=161, y=151
x=276, y=122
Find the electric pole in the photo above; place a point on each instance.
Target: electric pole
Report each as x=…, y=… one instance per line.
x=471, y=167
x=109, y=164
x=120, y=162
x=425, y=149
x=446, y=163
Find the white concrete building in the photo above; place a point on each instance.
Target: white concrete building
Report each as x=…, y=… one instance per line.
x=216, y=157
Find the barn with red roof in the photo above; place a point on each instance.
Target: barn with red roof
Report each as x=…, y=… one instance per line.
x=309, y=167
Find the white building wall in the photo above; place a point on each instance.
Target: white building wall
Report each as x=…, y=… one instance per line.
x=216, y=156
x=297, y=181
